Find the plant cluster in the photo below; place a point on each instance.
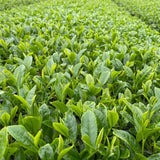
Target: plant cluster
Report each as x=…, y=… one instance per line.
x=79, y=80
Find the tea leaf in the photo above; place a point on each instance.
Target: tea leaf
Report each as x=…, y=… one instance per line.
x=3, y=141
x=89, y=126
x=20, y=134
x=46, y=152
x=128, y=138
x=61, y=128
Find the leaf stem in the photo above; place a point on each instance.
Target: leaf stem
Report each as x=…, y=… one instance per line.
x=143, y=142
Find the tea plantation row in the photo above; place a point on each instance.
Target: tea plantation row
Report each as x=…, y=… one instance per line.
x=78, y=80
x=148, y=11
x=8, y=4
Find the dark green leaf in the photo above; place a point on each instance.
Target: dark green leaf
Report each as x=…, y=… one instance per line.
x=71, y=124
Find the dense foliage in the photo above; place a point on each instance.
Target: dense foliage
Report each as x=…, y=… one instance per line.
x=8, y=4
x=147, y=10
x=78, y=80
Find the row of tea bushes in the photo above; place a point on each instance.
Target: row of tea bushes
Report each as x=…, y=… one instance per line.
x=147, y=10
